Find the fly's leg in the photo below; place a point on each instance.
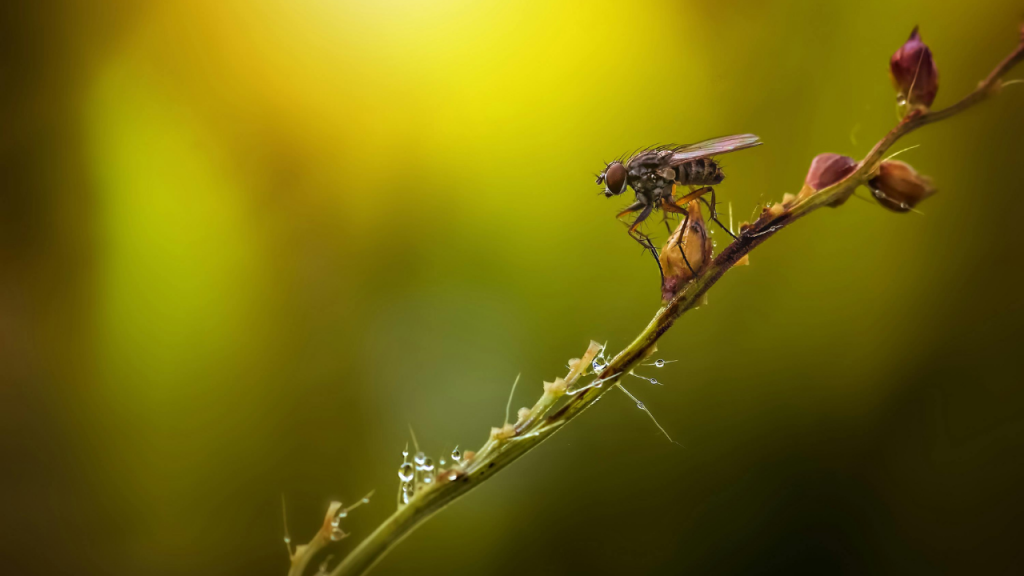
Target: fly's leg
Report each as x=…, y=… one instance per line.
x=693, y=195
x=665, y=220
x=638, y=205
x=640, y=237
x=714, y=212
x=668, y=206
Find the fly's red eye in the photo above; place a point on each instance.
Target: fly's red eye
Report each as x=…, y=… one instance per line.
x=615, y=178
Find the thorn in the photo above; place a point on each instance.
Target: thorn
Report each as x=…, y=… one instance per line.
x=287, y=537
x=415, y=444
x=641, y=406
x=895, y=154
x=508, y=406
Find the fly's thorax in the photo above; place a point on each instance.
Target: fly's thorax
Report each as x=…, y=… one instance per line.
x=651, y=187
x=650, y=177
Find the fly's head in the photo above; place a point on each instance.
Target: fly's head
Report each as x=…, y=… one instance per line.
x=614, y=179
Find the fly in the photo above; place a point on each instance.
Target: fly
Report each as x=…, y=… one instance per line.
x=654, y=173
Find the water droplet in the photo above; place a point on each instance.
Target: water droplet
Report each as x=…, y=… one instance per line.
x=659, y=363
x=452, y=476
x=428, y=479
x=456, y=455
x=419, y=458
x=654, y=381
x=428, y=465
x=366, y=500
x=442, y=463
x=337, y=534
x=287, y=540
x=335, y=521
x=640, y=405
x=342, y=513
x=405, y=472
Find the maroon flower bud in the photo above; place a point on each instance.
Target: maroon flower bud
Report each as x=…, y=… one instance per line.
x=914, y=74
x=898, y=187
x=828, y=169
x=692, y=240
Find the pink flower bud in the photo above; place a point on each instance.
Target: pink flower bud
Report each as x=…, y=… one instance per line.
x=828, y=169
x=914, y=73
x=898, y=187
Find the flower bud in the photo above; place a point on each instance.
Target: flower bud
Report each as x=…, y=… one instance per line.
x=828, y=169
x=898, y=187
x=914, y=74
x=692, y=240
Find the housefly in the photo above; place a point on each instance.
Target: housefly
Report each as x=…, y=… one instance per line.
x=654, y=173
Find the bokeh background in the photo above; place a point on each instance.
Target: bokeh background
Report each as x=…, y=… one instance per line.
x=245, y=244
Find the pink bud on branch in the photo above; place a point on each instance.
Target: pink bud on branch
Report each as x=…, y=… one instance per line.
x=828, y=169
x=914, y=74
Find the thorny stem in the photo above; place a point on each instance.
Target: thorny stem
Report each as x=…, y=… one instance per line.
x=509, y=443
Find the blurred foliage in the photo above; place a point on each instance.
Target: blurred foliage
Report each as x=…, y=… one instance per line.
x=244, y=244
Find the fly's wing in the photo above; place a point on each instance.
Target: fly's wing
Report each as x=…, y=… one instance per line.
x=713, y=147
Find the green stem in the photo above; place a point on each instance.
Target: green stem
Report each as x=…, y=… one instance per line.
x=500, y=451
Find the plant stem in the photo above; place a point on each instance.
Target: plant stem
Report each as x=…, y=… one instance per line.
x=507, y=445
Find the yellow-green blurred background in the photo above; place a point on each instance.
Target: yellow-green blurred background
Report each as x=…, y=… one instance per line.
x=246, y=243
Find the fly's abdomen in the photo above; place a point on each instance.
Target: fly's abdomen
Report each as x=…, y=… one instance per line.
x=699, y=172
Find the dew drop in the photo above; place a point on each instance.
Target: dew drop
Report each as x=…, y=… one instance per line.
x=419, y=458
x=659, y=363
x=342, y=513
x=452, y=476
x=405, y=472
x=456, y=455
x=335, y=521
x=337, y=534
x=442, y=461
x=654, y=381
x=640, y=405
x=428, y=479
x=287, y=540
x=427, y=465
